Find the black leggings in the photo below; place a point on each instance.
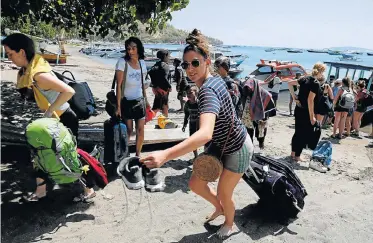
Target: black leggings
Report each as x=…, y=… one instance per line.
x=70, y=120
x=303, y=129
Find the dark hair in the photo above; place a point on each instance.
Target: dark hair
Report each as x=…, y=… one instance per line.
x=140, y=47
x=346, y=81
x=223, y=62
x=361, y=84
x=177, y=61
x=198, y=43
x=18, y=41
x=192, y=88
x=162, y=54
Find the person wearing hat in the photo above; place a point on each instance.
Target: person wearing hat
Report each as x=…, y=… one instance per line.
x=159, y=74
x=222, y=66
x=181, y=83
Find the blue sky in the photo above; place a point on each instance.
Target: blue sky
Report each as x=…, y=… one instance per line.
x=289, y=23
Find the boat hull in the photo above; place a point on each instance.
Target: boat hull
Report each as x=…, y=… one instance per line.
x=54, y=58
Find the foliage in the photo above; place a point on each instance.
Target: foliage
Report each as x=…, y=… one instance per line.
x=170, y=34
x=94, y=16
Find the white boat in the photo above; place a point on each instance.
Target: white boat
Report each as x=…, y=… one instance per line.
x=118, y=53
x=103, y=51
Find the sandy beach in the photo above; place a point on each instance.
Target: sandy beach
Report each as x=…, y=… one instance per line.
x=339, y=205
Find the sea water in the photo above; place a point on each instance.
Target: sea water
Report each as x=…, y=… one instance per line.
x=254, y=53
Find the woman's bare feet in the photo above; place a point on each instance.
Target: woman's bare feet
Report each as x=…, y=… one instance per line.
x=225, y=231
x=214, y=215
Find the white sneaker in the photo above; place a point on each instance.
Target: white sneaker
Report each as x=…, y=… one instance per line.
x=318, y=167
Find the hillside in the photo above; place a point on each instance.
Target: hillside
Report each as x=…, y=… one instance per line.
x=170, y=35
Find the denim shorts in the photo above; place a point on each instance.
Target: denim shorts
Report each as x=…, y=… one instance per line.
x=238, y=162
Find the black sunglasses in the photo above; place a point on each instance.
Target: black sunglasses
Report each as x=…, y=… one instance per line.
x=195, y=63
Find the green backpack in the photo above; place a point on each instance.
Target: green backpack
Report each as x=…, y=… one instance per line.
x=54, y=150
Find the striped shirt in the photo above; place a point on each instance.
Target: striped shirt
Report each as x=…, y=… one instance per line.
x=213, y=97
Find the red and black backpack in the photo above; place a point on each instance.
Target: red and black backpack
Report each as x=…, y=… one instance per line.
x=95, y=167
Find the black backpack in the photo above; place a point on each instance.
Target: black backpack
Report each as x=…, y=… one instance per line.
x=279, y=189
x=82, y=103
x=271, y=84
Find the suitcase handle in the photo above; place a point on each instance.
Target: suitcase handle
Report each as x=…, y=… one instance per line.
x=71, y=74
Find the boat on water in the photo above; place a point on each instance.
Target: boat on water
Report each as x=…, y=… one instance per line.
x=334, y=53
x=348, y=57
x=237, y=58
x=295, y=51
x=270, y=50
x=355, y=52
x=370, y=53
x=266, y=70
x=103, y=52
x=235, y=72
x=118, y=53
x=317, y=51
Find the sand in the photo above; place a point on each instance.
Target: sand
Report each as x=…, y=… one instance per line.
x=339, y=207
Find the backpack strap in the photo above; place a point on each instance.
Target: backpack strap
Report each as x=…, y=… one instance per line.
x=142, y=84
x=124, y=77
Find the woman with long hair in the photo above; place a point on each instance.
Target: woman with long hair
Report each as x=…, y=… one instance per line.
x=340, y=112
x=130, y=73
x=361, y=95
x=324, y=105
x=219, y=126
x=305, y=118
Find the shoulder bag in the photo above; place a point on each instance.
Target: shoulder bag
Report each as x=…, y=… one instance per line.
x=209, y=167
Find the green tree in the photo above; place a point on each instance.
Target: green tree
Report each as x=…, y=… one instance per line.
x=95, y=16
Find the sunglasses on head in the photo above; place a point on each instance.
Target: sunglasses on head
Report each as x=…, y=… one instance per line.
x=195, y=63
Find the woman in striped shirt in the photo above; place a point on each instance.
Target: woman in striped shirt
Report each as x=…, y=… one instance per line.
x=219, y=127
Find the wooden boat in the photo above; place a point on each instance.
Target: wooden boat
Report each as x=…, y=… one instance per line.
x=54, y=57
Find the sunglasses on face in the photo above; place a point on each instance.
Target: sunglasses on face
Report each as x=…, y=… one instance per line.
x=195, y=63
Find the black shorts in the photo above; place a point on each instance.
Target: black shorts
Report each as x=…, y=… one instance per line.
x=160, y=101
x=340, y=109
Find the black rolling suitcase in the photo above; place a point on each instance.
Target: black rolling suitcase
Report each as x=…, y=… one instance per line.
x=278, y=187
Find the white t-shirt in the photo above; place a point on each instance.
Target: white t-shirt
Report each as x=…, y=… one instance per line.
x=276, y=85
x=133, y=88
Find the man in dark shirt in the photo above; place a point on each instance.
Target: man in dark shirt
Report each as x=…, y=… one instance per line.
x=191, y=112
x=222, y=66
x=181, y=83
x=159, y=74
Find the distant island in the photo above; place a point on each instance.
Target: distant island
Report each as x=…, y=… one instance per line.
x=170, y=34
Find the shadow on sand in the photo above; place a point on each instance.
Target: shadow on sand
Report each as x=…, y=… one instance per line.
x=252, y=220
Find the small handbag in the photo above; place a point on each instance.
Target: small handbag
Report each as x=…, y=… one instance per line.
x=209, y=167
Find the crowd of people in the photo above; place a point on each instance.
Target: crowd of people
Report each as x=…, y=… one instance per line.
x=217, y=108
